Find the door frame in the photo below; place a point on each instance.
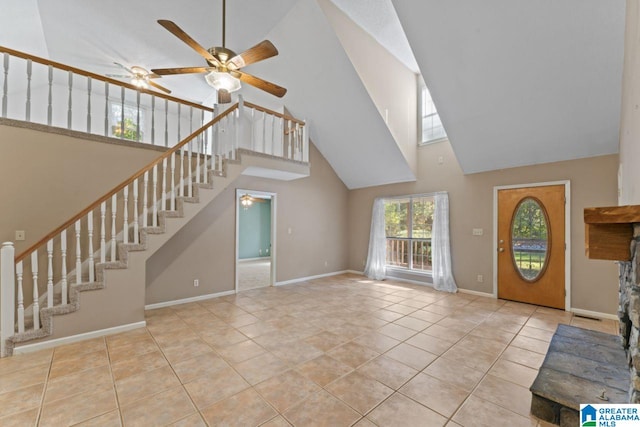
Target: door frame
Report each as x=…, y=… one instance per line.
x=567, y=234
x=240, y=192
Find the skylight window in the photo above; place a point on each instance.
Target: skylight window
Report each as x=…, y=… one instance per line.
x=431, y=126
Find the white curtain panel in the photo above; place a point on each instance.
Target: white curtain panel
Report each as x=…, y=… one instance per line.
x=376, y=259
x=441, y=245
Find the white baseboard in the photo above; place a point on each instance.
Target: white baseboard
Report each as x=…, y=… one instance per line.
x=304, y=279
x=187, y=300
x=595, y=314
x=477, y=293
x=360, y=273
x=28, y=348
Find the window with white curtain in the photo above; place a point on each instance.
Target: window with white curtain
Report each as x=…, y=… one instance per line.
x=408, y=223
x=431, y=126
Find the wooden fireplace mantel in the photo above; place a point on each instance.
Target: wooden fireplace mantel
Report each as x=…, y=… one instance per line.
x=609, y=230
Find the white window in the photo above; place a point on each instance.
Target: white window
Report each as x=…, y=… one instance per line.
x=130, y=128
x=408, y=223
x=430, y=123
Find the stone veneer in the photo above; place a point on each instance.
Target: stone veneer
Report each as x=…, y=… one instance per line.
x=629, y=313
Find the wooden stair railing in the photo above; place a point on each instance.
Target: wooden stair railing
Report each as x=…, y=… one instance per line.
x=131, y=206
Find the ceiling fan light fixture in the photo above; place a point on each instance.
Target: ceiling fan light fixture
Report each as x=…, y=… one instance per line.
x=224, y=81
x=139, y=82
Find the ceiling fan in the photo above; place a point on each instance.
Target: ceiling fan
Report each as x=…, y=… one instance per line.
x=140, y=77
x=224, y=65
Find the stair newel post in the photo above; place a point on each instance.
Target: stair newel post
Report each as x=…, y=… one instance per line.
x=50, y=273
x=154, y=208
x=125, y=215
x=163, y=203
x=189, y=167
x=145, y=199
x=114, y=209
x=5, y=86
x=7, y=293
x=36, y=296
x=20, y=299
x=78, y=255
x=28, y=105
x=136, y=212
x=50, y=98
x=63, y=273
x=90, y=243
x=172, y=196
x=103, y=232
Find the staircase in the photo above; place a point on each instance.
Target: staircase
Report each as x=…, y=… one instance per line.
x=104, y=248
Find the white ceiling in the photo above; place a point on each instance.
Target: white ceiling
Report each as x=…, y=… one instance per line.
x=516, y=81
x=521, y=82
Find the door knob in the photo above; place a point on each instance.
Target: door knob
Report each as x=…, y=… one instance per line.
x=501, y=250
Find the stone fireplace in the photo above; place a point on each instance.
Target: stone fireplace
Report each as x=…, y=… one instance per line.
x=629, y=313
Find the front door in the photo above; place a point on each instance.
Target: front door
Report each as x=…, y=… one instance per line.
x=531, y=245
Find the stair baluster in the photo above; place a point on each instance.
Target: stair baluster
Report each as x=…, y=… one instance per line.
x=163, y=204
x=78, y=255
x=63, y=273
x=189, y=167
x=50, y=273
x=172, y=197
x=136, y=212
x=145, y=199
x=114, y=207
x=20, y=298
x=154, y=218
x=36, y=303
x=125, y=215
x=92, y=276
x=103, y=233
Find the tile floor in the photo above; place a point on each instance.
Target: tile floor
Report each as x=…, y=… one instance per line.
x=338, y=351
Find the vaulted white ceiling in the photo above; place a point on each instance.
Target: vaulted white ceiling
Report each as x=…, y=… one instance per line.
x=516, y=81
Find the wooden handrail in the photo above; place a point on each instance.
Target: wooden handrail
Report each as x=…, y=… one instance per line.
x=99, y=77
x=120, y=186
x=274, y=113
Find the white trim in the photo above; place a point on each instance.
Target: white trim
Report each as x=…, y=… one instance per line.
x=317, y=276
x=360, y=273
x=187, y=300
x=476, y=293
x=274, y=211
x=567, y=234
x=261, y=258
x=80, y=337
x=595, y=314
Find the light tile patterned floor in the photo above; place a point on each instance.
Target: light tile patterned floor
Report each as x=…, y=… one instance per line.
x=339, y=351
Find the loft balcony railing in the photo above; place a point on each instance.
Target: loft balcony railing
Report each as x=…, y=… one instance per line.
x=37, y=90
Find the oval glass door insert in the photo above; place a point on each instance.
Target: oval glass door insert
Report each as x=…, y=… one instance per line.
x=530, y=239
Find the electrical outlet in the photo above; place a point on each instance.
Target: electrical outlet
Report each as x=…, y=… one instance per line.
x=196, y=282
x=477, y=232
x=480, y=278
x=20, y=235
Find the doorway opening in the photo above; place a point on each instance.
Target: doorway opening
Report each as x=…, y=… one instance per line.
x=255, y=264
x=531, y=260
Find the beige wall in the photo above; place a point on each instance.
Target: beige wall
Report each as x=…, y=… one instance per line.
x=391, y=85
x=315, y=208
x=629, y=179
x=49, y=177
x=593, y=183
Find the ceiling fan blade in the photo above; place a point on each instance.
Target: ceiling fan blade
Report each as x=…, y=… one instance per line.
x=263, y=50
x=179, y=33
x=272, y=88
x=127, y=69
x=183, y=70
x=157, y=86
